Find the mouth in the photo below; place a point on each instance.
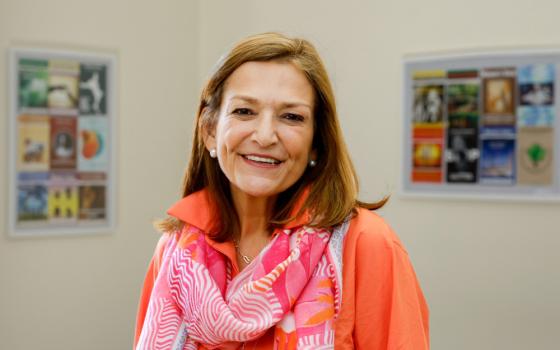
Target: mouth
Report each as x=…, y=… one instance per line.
x=261, y=160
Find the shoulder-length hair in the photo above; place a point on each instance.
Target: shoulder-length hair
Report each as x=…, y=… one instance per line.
x=331, y=185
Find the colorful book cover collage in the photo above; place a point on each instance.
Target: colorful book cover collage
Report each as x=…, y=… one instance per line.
x=484, y=126
x=62, y=164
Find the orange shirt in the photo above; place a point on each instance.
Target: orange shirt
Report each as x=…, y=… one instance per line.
x=382, y=304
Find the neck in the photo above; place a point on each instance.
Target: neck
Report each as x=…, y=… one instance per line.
x=253, y=213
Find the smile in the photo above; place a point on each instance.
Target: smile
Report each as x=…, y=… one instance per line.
x=261, y=159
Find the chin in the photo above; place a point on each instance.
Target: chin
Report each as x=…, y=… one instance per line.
x=260, y=188
x=258, y=192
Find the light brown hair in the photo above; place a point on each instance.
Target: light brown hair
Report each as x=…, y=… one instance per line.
x=332, y=183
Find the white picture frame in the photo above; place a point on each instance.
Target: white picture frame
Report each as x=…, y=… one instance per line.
x=62, y=142
x=502, y=171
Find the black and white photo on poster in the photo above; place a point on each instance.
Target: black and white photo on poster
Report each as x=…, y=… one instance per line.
x=461, y=155
x=428, y=104
x=93, y=89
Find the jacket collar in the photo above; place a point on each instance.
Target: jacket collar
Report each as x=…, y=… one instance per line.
x=197, y=210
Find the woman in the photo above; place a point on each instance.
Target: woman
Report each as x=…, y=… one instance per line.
x=269, y=247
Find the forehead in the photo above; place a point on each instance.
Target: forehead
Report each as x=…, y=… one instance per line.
x=269, y=81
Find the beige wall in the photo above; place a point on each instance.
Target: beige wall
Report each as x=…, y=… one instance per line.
x=490, y=271
x=81, y=292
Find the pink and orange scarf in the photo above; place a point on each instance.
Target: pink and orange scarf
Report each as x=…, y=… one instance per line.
x=293, y=285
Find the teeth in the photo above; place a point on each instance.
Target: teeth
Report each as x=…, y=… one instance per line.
x=262, y=159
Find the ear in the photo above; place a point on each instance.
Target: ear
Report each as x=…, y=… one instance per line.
x=209, y=140
x=208, y=134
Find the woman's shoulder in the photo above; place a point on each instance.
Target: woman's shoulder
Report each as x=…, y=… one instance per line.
x=162, y=246
x=170, y=239
x=368, y=230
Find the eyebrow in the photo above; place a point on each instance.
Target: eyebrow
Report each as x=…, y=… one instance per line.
x=253, y=100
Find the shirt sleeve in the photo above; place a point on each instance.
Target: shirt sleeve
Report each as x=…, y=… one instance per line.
x=391, y=312
x=151, y=275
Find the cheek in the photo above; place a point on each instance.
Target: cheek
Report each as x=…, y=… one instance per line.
x=298, y=143
x=223, y=134
x=225, y=141
x=230, y=136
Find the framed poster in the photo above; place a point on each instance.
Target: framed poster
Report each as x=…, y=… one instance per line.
x=482, y=125
x=62, y=142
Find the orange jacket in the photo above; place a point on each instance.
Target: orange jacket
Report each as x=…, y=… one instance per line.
x=382, y=304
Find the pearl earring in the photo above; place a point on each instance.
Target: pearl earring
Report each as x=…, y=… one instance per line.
x=213, y=153
x=312, y=163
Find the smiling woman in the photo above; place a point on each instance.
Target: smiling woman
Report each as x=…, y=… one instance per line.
x=269, y=248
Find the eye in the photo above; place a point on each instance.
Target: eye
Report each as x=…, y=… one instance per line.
x=242, y=111
x=293, y=117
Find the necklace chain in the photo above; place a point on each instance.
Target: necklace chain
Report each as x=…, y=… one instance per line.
x=246, y=259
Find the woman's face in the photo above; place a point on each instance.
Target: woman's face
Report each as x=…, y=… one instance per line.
x=265, y=128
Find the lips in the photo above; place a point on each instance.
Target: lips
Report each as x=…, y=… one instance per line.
x=261, y=159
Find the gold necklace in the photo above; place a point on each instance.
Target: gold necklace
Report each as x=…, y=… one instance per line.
x=246, y=259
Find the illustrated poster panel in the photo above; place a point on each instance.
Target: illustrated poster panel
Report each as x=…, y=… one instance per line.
x=462, y=148
x=62, y=149
x=427, y=126
x=475, y=123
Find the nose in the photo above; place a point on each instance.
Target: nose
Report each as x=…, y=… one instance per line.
x=265, y=133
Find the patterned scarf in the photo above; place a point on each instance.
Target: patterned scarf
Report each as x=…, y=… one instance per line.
x=293, y=285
